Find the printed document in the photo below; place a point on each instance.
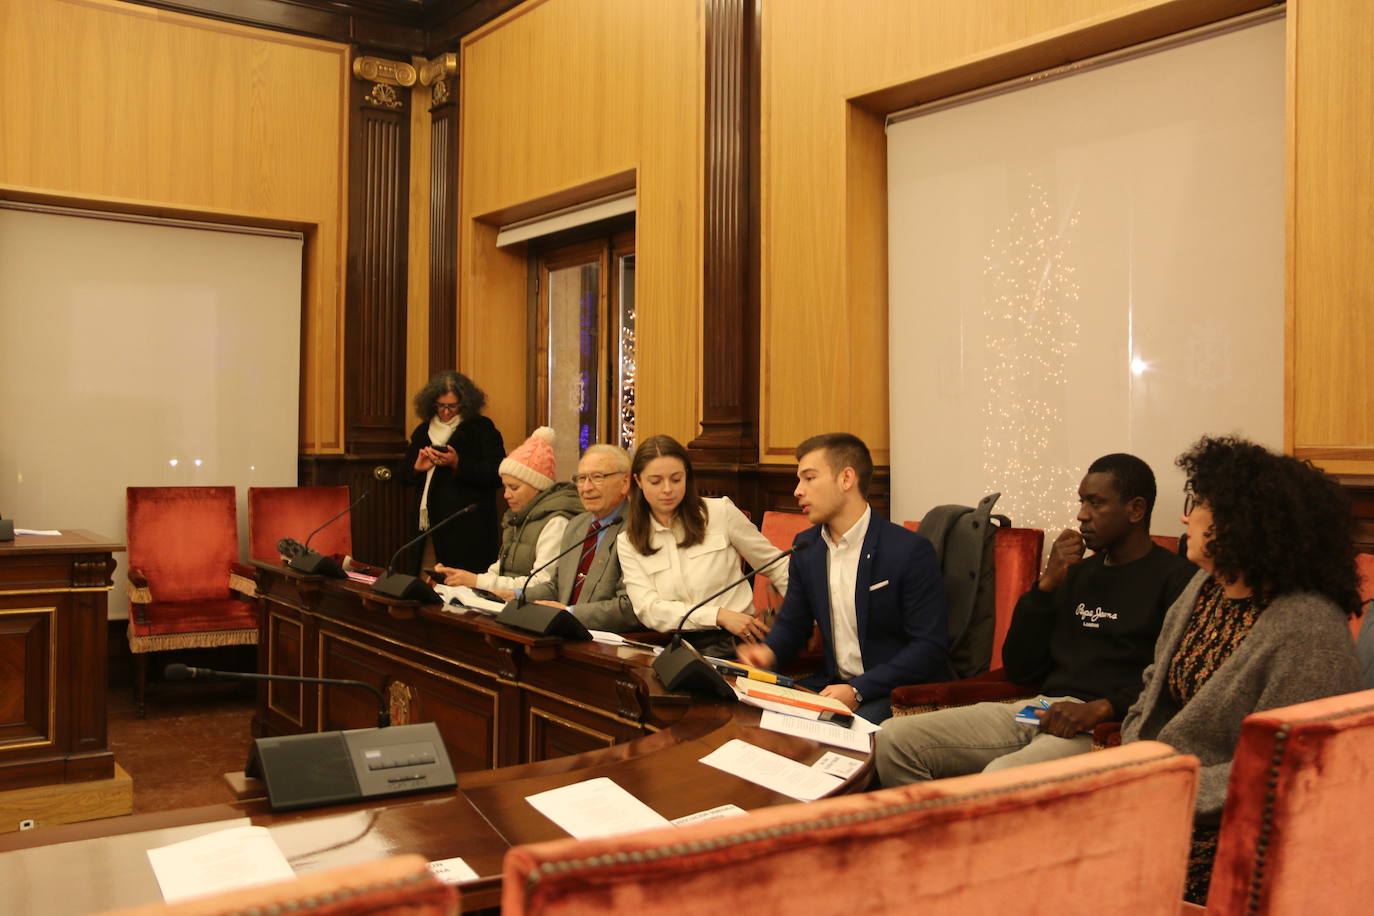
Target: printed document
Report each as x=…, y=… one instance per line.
x=596, y=807
x=219, y=861
x=772, y=771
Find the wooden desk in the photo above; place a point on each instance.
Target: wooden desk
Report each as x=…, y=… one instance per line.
x=52, y=659
x=499, y=696
x=102, y=864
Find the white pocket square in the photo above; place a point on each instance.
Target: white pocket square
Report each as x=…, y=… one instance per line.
x=875, y=587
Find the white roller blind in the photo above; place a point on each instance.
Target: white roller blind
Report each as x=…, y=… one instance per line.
x=1089, y=265
x=144, y=355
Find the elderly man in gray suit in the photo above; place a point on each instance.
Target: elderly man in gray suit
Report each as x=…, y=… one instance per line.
x=587, y=581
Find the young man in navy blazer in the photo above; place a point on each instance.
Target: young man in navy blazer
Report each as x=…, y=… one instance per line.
x=874, y=588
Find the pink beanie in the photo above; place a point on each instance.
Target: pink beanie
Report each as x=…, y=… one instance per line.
x=533, y=461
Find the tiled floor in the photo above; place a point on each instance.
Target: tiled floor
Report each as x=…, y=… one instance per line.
x=193, y=734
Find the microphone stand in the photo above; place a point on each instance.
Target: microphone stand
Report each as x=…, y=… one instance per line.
x=407, y=587
x=540, y=618
x=179, y=672
x=312, y=562
x=681, y=666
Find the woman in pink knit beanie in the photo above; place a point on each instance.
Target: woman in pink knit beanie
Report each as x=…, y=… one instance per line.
x=540, y=506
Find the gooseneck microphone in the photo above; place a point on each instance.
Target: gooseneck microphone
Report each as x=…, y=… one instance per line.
x=540, y=618
x=682, y=666
x=180, y=672
x=314, y=563
x=406, y=587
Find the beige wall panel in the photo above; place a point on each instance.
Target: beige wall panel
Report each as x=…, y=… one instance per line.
x=105, y=101
x=493, y=327
x=558, y=95
x=824, y=311
x=1333, y=237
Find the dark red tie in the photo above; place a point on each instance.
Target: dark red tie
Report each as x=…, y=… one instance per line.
x=584, y=562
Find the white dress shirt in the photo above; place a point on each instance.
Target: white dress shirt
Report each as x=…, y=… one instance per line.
x=842, y=564
x=663, y=585
x=545, y=549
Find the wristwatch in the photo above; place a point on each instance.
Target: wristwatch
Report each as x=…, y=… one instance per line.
x=858, y=697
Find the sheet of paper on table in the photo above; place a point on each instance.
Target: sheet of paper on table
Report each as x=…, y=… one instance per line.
x=453, y=871
x=825, y=732
x=606, y=637
x=772, y=771
x=710, y=814
x=595, y=807
x=837, y=765
x=219, y=861
x=37, y=532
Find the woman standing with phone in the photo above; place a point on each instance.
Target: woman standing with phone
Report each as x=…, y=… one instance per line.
x=452, y=460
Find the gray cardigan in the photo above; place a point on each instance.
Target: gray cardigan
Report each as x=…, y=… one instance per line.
x=1299, y=649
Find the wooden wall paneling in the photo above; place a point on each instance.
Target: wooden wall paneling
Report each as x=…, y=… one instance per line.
x=397, y=29
x=418, y=281
x=376, y=301
x=730, y=317
x=146, y=108
x=566, y=94
x=382, y=522
x=443, y=217
x=823, y=220
x=865, y=360
x=1332, y=234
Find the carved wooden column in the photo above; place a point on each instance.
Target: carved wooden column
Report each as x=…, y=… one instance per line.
x=730, y=308
x=378, y=218
x=375, y=293
x=441, y=75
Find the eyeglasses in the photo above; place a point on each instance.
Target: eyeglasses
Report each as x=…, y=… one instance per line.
x=447, y=408
x=1190, y=501
x=596, y=478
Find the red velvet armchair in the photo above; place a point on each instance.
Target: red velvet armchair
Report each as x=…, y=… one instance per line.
x=1096, y=834
x=293, y=512
x=399, y=886
x=780, y=528
x=183, y=571
x=1299, y=816
x=1016, y=559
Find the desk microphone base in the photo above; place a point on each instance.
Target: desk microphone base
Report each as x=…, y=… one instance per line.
x=684, y=669
x=328, y=768
x=544, y=620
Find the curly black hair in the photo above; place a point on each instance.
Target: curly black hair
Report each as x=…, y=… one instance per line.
x=471, y=399
x=1278, y=523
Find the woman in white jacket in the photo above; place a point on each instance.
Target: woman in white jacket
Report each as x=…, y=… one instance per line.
x=678, y=548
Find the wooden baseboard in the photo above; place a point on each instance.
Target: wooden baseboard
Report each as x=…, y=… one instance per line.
x=67, y=803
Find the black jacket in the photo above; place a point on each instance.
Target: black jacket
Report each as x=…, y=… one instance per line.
x=471, y=541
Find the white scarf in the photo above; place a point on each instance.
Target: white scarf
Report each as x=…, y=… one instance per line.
x=439, y=433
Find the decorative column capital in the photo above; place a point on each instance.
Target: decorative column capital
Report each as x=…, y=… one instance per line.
x=440, y=68
x=384, y=72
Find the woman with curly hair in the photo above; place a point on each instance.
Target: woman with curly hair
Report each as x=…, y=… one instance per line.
x=1261, y=625
x=452, y=460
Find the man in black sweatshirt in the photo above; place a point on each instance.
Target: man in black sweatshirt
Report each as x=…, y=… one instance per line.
x=1085, y=632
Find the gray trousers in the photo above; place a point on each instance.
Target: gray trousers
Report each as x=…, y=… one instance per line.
x=966, y=739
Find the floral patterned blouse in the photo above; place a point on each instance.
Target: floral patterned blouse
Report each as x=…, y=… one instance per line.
x=1217, y=626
